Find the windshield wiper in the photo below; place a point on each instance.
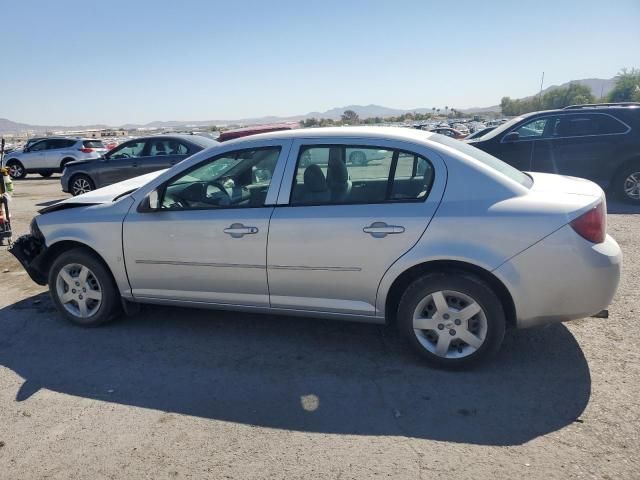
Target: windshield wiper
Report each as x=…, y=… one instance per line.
x=124, y=194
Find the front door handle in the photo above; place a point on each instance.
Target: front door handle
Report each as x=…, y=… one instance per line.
x=381, y=229
x=238, y=230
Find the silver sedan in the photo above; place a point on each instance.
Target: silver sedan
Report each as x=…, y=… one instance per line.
x=437, y=237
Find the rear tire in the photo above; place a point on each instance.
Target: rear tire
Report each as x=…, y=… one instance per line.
x=358, y=158
x=80, y=184
x=83, y=289
x=45, y=174
x=16, y=170
x=451, y=319
x=626, y=184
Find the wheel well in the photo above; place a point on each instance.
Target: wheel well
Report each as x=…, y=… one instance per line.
x=58, y=248
x=65, y=161
x=625, y=164
x=12, y=160
x=406, y=278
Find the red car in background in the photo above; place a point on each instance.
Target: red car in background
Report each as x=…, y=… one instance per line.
x=244, y=132
x=449, y=132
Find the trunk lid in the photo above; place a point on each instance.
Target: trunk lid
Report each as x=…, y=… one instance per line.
x=562, y=184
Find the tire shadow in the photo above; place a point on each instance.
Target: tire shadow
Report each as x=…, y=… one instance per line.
x=298, y=374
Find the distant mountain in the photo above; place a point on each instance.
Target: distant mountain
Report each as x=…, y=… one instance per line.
x=599, y=87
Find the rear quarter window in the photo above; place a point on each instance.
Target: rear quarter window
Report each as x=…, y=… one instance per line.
x=92, y=144
x=483, y=157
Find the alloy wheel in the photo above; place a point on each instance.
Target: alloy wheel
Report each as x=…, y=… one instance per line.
x=80, y=186
x=78, y=290
x=450, y=324
x=631, y=186
x=15, y=170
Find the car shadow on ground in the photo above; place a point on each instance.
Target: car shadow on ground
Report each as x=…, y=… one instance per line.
x=297, y=374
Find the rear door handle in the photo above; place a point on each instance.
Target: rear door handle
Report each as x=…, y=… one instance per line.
x=238, y=230
x=381, y=229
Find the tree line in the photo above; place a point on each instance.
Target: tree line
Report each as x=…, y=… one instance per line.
x=350, y=117
x=626, y=89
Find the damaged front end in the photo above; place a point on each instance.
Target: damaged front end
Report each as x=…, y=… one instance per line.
x=30, y=250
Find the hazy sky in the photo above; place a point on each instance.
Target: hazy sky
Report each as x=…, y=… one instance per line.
x=114, y=62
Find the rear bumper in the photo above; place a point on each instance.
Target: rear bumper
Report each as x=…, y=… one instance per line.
x=563, y=277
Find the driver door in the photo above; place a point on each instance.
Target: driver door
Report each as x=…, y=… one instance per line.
x=122, y=162
x=207, y=241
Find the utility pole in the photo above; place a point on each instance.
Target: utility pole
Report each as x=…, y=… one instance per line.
x=541, y=84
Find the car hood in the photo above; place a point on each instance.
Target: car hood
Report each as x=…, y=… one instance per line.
x=104, y=195
x=78, y=162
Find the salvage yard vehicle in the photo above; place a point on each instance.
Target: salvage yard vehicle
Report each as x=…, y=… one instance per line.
x=599, y=142
x=131, y=159
x=440, y=238
x=50, y=155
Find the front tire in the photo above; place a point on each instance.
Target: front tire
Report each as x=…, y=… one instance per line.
x=16, y=170
x=627, y=184
x=46, y=174
x=452, y=320
x=80, y=184
x=82, y=288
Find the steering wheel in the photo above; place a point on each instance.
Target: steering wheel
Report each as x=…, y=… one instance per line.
x=220, y=186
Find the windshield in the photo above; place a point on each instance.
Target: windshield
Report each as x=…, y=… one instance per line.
x=483, y=157
x=502, y=128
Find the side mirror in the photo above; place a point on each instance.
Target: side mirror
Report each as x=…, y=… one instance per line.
x=511, y=137
x=151, y=202
x=25, y=150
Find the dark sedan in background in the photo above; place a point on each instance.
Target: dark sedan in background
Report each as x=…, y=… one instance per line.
x=130, y=159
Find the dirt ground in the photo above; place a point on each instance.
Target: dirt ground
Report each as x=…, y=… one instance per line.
x=178, y=393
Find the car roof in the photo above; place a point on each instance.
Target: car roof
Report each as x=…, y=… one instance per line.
x=196, y=139
x=389, y=133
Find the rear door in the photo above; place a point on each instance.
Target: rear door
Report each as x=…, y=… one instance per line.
x=582, y=145
x=162, y=153
x=338, y=227
x=57, y=149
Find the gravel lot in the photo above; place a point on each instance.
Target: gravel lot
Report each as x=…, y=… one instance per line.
x=178, y=393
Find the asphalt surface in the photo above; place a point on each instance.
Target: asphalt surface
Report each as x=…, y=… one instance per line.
x=181, y=393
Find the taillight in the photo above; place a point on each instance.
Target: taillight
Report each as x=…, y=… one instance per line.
x=86, y=150
x=592, y=225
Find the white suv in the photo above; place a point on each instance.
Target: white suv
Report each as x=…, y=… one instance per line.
x=51, y=155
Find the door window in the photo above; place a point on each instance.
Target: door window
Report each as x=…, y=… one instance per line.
x=128, y=150
x=337, y=174
x=39, y=146
x=231, y=180
x=59, y=143
x=533, y=129
x=586, y=125
x=166, y=146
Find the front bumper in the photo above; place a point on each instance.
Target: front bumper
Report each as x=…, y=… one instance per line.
x=30, y=251
x=64, y=180
x=563, y=277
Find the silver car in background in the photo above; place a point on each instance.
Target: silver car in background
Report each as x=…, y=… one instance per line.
x=447, y=242
x=50, y=155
